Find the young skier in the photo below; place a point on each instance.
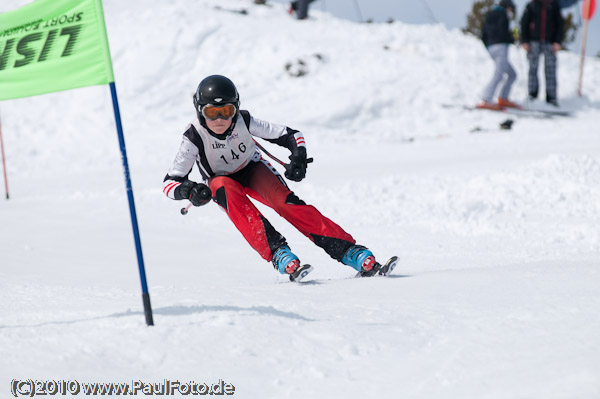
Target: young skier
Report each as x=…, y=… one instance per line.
x=496, y=37
x=220, y=141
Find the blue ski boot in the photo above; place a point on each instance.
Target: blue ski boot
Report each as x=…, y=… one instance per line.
x=286, y=262
x=362, y=260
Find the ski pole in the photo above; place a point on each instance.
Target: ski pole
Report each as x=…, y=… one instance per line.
x=203, y=194
x=295, y=172
x=269, y=154
x=285, y=165
x=360, y=18
x=185, y=210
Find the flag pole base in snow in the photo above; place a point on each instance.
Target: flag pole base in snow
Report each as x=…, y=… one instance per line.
x=147, y=309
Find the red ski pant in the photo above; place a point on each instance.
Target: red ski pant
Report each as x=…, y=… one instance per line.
x=264, y=184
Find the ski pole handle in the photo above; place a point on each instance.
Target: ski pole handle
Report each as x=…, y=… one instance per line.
x=296, y=171
x=185, y=210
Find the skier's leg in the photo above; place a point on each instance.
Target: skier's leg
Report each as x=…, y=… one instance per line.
x=267, y=186
x=495, y=51
x=533, y=56
x=255, y=228
x=302, y=9
x=550, y=72
x=507, y=69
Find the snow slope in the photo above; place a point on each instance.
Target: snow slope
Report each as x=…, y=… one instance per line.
x=497, y=293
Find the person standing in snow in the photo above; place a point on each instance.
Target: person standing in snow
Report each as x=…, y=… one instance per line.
x=496, y=37
x=220, y=140
x=300, y=7
x=542, y=32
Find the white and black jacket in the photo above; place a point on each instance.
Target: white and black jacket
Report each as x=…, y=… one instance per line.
x=224, y=156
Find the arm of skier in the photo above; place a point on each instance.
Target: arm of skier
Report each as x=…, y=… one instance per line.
x=506, y=32
x=176, y=184
x=286, y=137
x=484, y=35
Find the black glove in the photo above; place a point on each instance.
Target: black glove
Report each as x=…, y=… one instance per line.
x=296, y=169
x=198, y=193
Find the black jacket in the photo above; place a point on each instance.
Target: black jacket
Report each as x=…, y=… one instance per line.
x=496, y=27
x=542, y=22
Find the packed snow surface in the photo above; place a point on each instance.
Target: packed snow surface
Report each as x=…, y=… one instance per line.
x=498, y=289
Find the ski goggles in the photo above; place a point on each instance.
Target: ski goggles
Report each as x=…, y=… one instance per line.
x=214, y=112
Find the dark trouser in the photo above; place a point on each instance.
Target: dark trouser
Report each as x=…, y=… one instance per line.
x=261, y=182
x=301, y=8
x=535, y=50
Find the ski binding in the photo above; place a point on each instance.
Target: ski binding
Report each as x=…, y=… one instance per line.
x=380, y=270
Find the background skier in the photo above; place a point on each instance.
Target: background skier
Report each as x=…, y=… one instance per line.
x=542, y=32
x=496, y=36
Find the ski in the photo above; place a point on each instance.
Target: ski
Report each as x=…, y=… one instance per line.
x=527, y=112
x=535, y=112
x=300, y=273
x=380, y=270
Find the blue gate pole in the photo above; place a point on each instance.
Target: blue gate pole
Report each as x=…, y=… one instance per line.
x=134, y=224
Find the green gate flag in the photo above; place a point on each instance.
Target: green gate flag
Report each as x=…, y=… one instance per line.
x=53, y=45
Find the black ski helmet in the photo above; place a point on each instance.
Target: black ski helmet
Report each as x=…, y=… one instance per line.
x=216, y=90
